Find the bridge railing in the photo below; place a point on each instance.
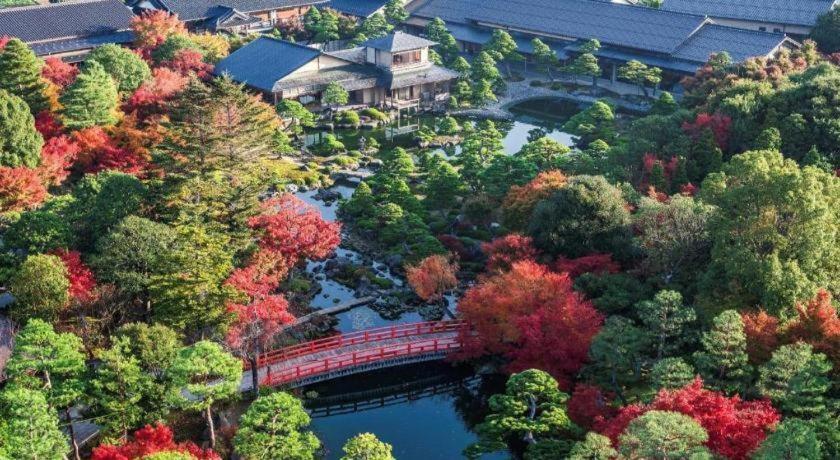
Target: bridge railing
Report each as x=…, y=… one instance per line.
x=358, y=358
x=355, y=338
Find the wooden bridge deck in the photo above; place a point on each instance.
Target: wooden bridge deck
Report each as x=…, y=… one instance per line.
x=356, y=352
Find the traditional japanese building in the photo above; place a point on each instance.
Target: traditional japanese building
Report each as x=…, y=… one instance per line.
x=359, y=8
x=392, y=71
x=232, y=15
x=676, y=42
x=68, y=30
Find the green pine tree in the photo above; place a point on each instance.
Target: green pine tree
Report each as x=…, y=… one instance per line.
x=20, y=74
x=723, y=361
x=91, y=100
x=796, y=380
x=20, y=142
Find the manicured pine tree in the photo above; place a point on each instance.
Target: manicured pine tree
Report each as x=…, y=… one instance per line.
x=366, y=446
x=502, y=47
x=662, y=435
x=796, y=380
x=20, y=74
x=264, y=434
x=671, y=373
x=91, y=100
x=395, y=11
x=20, y=142
x=209, y=375
x=793, y=439
x=311, y=20
x=723, y=361
x=666, y=318
x=29, y=427
x=586, y=64
x=544, y=56
x=593, y=447
x=126, y=67
x=40, y=287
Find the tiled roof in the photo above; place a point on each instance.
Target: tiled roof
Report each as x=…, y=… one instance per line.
x=621, y=25
x=68, y=20
x=351, y=77
x=74, y=44
x=797, y=12
x=431, y=74
x=739, y=43
x=360, y=8
x=191, y=10
x=265, y=60
x=398, y=41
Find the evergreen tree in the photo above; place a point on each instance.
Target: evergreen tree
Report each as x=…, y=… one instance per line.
x=311, y=20
x=671, y=373
x=124, y=66
x=117, y=390
x=375, y=26
x=447, y=47
x=664, y=105
x=484, y=68
x=544, y=56
x=617, y=353
x=595, y=122
x=796, y=380
x=275, y=426
x=29, y=427
x=593, y=447
x=20, y=74
x=640, y=74
x=666, y=318
x=203, y=375
x=442, y=186
x=482, y=93
x=40, y=288
x=723, y=361
x=20, y=142
x=586, y=64
x=664, y=435
x=327, y=28
x=91, y=100
x=366, y=446
x=502, y=47
x=793, y=439
x=395, y=11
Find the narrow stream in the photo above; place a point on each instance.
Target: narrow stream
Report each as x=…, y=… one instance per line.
x=426, y=411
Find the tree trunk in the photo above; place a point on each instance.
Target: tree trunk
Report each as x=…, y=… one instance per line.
x=617, y=389
x=209, y=415
x=507, y=67
x=255, y=376
x=72, y=431
x=532, y=412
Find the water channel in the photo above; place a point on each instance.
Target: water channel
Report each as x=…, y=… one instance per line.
x=426, y=411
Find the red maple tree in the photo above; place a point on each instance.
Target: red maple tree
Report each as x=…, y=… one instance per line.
x=151, y=440
x=48, y=125
x=593, y=263
x=58, y=71
x=762, y=332
x=20, y=188
x=80, y=276
x=735, y=427
x=295, y=230
x=717, y=123
x=503, y=252
x=529, y=314
x=151, y=97
x=99, y=152
x=189, y=62
x=520, y=201
x=152, y=28
x=57, y=157
x=589, y=404
x=817, y=324
x=432, y=277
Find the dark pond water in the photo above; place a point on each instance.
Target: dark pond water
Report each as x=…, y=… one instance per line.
x=426, y=411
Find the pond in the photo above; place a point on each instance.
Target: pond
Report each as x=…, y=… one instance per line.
x=426, y=411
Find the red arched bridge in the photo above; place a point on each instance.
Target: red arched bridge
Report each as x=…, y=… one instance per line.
x=356, y=352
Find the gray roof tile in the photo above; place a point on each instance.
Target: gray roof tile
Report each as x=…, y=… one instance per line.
x=68, y=20
x=265, y=60
x=398, y=41
x=740, y=44
x=796, y=12
x=360, y=8
x=191, y=10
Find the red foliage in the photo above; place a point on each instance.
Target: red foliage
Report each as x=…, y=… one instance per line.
x=82, y=281
x=718, y=124
x=152, y=28
x=588, y=404
x=48, y=125
x=257, y=324
x=3, y=40
x=521, y=200
x=735, y=427
x=817, y=323
x=533, y=316
x=432, y=277
x=99, y=152
x=688, y=189
x=295, y=230
x=593, y=263
x=151, y=440
x=20, y=188
x=187, y=62
x=58, y=71
x=503, y=252
x=263, y=274
x=455, y=246
x=57, y=157
x=762, y=332
x=152, y=96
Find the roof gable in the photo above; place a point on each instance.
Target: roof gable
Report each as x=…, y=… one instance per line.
x=40, y=23
x=797, y=12
x=191, y=10
x=360, y=8
x=739, y=43
x=398, y=41
x=265, y=60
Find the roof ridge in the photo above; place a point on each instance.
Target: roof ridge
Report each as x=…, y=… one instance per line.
x=280, y=40
x=54, y=5
x=752, y=31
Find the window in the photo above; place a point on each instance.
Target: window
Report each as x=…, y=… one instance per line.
x=763, y=29
x=409, y=57
x=777, y=30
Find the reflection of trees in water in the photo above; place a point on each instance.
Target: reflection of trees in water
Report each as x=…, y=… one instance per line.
x=393, y=308
x=471, y=404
